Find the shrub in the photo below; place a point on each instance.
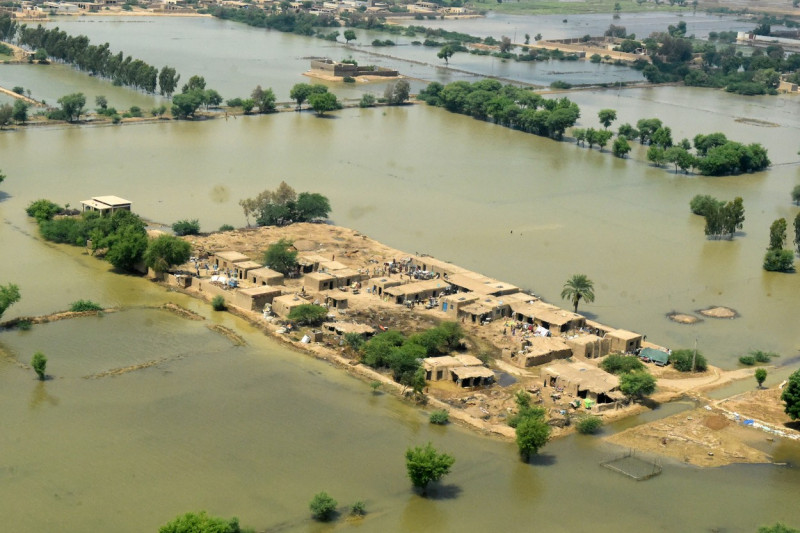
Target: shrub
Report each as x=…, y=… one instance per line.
x=703, y=204
x=186, y=227
x=358, y=509
x=135, y=111
x=779, y=261
x=115, y=119
x=24, y=325
x=310, y=314
x=84, y=305
x=524, y=414
x=590, y=425
x=747, y=360
x=349, y=79
x=619, y=364
x=218, y=303
x=322, y=507
x=439, y=417
x=234, y=102
x=356, y=341
x=763, y=357
x=226, y=227
x=42, y=209
x=39, y=364
x=560, y=85
x=367, y=100
x=682, y=361
x=17, y=89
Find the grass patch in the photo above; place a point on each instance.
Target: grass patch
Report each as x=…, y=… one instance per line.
x=85, y=305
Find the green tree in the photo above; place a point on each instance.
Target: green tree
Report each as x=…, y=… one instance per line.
x=703, y=204
x=602, y=137
x=796, y=195
x=20, y=112
x=760, y=375
x=607, y=116
x=72, y=105
x=662, y=137
x=202, y=523
x=2, y=177
x=367, y=100
x=39, y=364
x=589, y=425
x=578, y=287
x=791, y=396
x=349, y=35
x=656, y=155
x=322, y=506
x=778, y=527
x=264, y=99
x=42, y=209
x=397, y=93
x=6, y=116
x=186, y=227
x=126, y=246
x=425, y=465
x=796, y=232
x=680, y=157
x=321, y=103
x=211, y=98
x=300, y=93
x=620, y=364
x=195, y=83
x=446, y=53
x=779, y=261
x=168, y=80
x=308, y=314
x=101, y=101
x=637, y=384
x=166, y=251
x=777, y=235
x=688, y=361
x=9, y=295
x=218, y=303
x=532, y=433
x=186, y=104
x=620, y=148
x=311, y=206
x=280, y=257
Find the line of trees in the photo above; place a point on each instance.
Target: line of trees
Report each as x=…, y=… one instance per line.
x=284, y=206
x=722, y=218
x=290, y=22
x=505, y=105
x=99, y=60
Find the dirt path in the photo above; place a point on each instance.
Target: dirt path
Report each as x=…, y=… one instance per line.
x=714, y=378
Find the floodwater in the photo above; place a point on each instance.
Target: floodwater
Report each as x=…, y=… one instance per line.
x=255, y=431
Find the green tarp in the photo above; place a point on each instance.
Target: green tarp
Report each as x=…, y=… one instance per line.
x=657, y=356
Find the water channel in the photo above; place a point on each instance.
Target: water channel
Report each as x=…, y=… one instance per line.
x=255, y=431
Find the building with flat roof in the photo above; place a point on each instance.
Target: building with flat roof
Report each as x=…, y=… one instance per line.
x=105, y=204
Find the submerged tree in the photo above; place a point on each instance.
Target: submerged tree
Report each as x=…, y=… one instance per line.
x=791, y=396
x=578, y=287
x=39, y=364
x=760, y=375
x=9, y=295
x=425, y=465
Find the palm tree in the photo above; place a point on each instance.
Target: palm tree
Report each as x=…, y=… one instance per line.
x=577, y=287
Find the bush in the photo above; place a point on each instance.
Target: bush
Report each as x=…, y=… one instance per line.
x=762, y=356
x=186, y=227
x=322, y=507
x=218, y=303
x=590, y=425
x=779, y=261
x=358, y=509
x=747, y=360
x=703, y=204
x=620, y=364
x=42, y=209
x=310, y=314
x=439, y=417
x=524, y=414
x=135, y=111
x=226, y=227
x=560, y=85
x=24, y=325
x=349, y=79
x=367, y=100
x=17, y=89
x=84, y=305
x=356, y=341
x=39, y=364
x=682, y=361
x=115, y=119
x=234, y=102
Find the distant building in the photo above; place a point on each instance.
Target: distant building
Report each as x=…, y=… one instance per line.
x=105, y=204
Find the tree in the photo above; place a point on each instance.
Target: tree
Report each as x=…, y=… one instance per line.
x=688, y=361
x=702, y=204
x=311, y=206
x=126, y=246
x=9, y=295
x=760, y=375
x=72, y=105
x=796, y=231
x=796, y=195
x=39, y=364
x=309, y=314
x=446, y=53
x=101, y=102
x=532, y=433
x=2, y=177
x=779, y=261
x=280, y=257
x=680, y=157
x=211, y=98
x=264, y=99
x=578, y=287
x=620, y=148
x=323, y=102
x=6, y=116
x=300, y=93
x=186, y=227
x=791, y=396
x=590, y=424
x=247, y=105
x=397, y=93
x=349, y=35
x=656, y=155
x=637, y=384
x=505, y=44
x=322, y=506
x=607, y=116
x=194, y=83
x=185, y=105
x=168, y=80
x=620, y=364
x=601, y=137
x=20, y=112
x=777, y=235
x=166, y=251
x=425, y=465
x=201, y=523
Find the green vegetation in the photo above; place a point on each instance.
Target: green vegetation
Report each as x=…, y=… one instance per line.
x=43, y=210
x=684, y=360
x=6, y=118
x=397, y=93
x=9, y=295
x=322, y=506
x=308, y=314
x=760, y=375
x=226, y=227
x=777, y=258
x=791, y=395
x=202, y=523
x=723, y=219
x=97, y=60
x=703, y=204
x=425, y=465
x=637, y=384
x=620, y=364
x=796, y=195
x=81, y=306
x=355, y=341
x=322, y=102
x=263, y=99
x=358, y=509
x=39, y=364
x=778, y=528
x=186, y=227
x=439, y=417
x=532, y=432
x=218, y=303
x=367, y=100
x=166, y=251
x=578, y=287
x=193, y=95
x=797, y=232
x=280, y=257
x=589, y=425
x=507, y=105
x=284, y=206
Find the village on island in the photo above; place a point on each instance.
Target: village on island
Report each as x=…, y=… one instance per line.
x=512, y=340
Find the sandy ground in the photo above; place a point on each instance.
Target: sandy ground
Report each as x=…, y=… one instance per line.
x=322, y=75
x=719, y=312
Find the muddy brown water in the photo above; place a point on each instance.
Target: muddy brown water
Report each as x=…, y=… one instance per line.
x=255, y=431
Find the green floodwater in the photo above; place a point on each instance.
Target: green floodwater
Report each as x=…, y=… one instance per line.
x=255, y=431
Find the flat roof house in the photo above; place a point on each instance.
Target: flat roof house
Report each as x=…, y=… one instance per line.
x=255, y=298
x=227, y=259
x=264, y=276
x=105, y=204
